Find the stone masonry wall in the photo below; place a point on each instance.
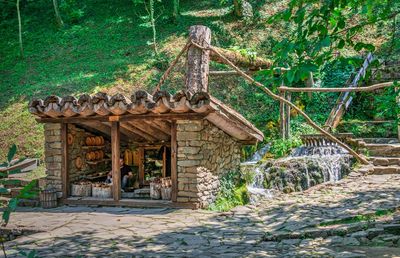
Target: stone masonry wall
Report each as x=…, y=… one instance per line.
x=53, y=157
x=204, y=154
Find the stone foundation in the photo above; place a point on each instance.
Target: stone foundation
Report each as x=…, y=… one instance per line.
x=204, y=154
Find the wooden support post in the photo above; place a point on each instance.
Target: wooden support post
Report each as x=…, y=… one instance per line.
x=64, y=161
x=115, y=156
x=282, y=115
x=141, y=166
x=164, y=157
x=198, y=60
x=174, y=174
x=287, y=117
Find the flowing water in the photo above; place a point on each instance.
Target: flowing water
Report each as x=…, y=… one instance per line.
x=305, y=167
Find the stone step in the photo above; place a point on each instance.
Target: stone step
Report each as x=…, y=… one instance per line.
x=385, y=161
x=379, y=140
x=21, y=202
x=384, y=170
x=383, y=150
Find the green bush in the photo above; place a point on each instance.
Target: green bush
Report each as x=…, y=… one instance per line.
x=233, y=192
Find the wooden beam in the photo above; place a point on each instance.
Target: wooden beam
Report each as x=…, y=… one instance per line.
x=174, y=169
x=158, y=130
x=125, y=117
x=64, y=161
x=140, y=132
x=164, y=125
x=359, y=89
x=115, y=156
x=282, y=115
x=144, y=127
x=287, y=117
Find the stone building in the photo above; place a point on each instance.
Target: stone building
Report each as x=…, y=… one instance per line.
x=190, y=137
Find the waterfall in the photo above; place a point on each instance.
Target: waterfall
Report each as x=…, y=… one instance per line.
x=307, y=166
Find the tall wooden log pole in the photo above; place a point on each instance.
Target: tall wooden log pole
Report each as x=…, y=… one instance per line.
x=198, y=59
x=115, y=156
x=282, y=115
x=276, y=97
x=287, y=117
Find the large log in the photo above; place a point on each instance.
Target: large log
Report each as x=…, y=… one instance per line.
x=238, y=59
x=198, y=60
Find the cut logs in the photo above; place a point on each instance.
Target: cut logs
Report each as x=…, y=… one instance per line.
x=81, y=189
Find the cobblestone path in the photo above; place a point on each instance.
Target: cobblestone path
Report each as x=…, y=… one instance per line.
x=356, y=217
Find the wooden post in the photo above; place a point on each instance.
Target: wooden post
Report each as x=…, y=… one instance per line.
x=174, y=175
x=198, y=60
x=115, y=156
x=287, y=117
x=64, y=161
x=164, y=157
x=141, y=166
x=282, y=115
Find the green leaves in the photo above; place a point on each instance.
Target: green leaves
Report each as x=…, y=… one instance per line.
x=11, y=153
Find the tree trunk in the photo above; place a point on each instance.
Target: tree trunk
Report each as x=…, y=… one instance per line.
x=176, y=10
x=243, y=9
x=241, y=60
x=60, y=22
x=153, y=26
x=21, y=48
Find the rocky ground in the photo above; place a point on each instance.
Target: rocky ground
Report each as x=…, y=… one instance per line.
x=356, y=217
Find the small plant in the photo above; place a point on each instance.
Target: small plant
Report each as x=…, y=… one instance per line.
x=233, y=192
x=8, y=168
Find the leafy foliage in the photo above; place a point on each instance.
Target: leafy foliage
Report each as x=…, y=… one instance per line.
x=233, y=192
x=323, y=27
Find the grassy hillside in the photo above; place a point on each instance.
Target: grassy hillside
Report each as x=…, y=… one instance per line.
x=106, y=49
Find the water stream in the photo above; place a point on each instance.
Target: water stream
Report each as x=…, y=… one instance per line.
x=305, y=167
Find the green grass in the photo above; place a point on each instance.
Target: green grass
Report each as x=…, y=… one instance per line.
x=240, y=197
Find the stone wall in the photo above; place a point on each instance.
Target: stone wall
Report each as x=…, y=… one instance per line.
x=53, y=157
x=204, y=154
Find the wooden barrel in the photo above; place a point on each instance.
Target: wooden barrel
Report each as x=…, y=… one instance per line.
x=166, y=193
x=48, y=199
x=83, y=190
x=101, y=191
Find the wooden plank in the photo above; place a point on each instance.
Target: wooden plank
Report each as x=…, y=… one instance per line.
x=141, y=166
x=64, y=161
x=125, y=117
x=174, y=149
x=282, y=115
x=115, y=156
x=140, y=132
x=145, y=128
x=287, y=117
x=163, y=125
x=154, y=127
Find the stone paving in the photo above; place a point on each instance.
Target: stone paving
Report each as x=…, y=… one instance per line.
x=286, y=226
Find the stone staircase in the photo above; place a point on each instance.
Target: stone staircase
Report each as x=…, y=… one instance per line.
x=15, y=189
x=383, y=153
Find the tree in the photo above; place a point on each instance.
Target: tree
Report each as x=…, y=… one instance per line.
x=322, y=27
x=176, y=12
x=21, y=48
x=60, y=22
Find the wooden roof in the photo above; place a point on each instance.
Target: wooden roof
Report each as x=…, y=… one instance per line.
x=142, y=105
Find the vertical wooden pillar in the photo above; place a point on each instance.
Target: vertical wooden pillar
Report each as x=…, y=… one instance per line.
x=164, y=158
x=141, y=166
x=282, y=116
x=115, y=156
x=174, y=174
x=198, y=60
x=64, y=161
x=287, y=117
